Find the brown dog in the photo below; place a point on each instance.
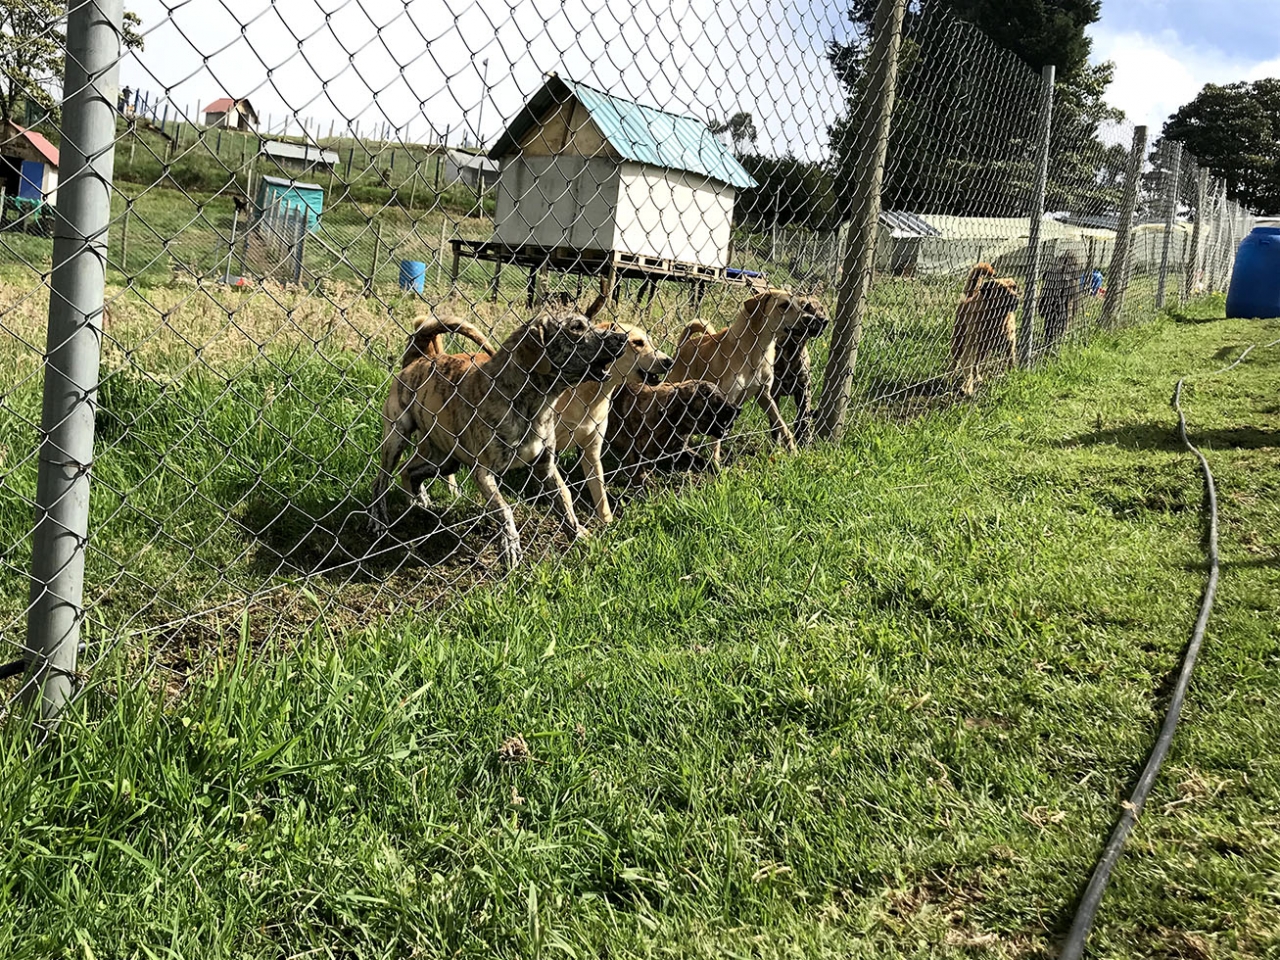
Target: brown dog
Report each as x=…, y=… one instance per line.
x=491, y=414
x=739, y=359
x=650, y=426
x=584, y=413
x=986, y=323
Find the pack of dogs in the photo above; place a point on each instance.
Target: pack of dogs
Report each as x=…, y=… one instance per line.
x=563, y=381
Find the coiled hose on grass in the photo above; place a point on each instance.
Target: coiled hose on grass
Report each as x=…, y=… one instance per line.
x=1074, y=946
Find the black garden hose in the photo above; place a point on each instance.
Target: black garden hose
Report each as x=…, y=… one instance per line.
x=1073, y=948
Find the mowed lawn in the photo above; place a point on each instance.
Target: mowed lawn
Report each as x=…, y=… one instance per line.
x=881, y=700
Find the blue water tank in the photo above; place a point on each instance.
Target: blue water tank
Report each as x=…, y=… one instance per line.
x=1255, y=280
x=412, y=274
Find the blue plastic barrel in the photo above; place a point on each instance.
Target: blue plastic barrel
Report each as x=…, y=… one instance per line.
x=412, y=275
x=1255, y=282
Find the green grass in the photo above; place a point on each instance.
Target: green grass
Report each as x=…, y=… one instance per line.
x=880, y=700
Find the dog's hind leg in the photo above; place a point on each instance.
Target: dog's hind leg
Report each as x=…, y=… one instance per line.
x=545, y=470
x=508, y=535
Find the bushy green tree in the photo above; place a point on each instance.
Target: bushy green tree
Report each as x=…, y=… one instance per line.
x=1234, y=130
x=32, y=44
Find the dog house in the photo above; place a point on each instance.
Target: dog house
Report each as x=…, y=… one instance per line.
x=601, y=175
x=29, y=166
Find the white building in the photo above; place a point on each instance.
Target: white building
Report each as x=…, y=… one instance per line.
x=585, y=170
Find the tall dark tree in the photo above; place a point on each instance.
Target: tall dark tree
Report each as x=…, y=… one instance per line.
x=1234, y=130
x=965, y=122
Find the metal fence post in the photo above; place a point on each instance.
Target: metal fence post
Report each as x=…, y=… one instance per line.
x=851, y=304
x=1027, y=328
x=1193, y=270
x=73, y=350
x=1118, y=272
x=1170, y=220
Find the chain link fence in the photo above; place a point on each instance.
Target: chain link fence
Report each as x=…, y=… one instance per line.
x=246, y=347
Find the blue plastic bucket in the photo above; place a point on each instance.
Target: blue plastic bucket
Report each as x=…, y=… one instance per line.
x=413, y=273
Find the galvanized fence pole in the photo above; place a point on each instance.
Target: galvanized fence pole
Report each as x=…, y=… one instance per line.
x=855, y=280
x=1194, y=256
x=1118, y=272
x=78, y=281
x=1170, y=221
x=1027, y=328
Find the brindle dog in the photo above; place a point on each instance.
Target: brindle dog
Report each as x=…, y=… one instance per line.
x=650, y=425
x=792, y=369
x=491, y=414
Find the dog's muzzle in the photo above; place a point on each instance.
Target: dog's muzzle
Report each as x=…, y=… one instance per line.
x=609, y=348
x=658, y=372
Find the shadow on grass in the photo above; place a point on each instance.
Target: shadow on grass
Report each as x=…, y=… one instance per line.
x=1178, y=316
x=1160, y=436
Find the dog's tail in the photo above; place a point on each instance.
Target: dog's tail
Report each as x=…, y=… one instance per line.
x=979, y=273
x=694, y=328
x=427, y=339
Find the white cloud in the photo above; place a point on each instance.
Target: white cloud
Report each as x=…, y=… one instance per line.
x=1158, y=73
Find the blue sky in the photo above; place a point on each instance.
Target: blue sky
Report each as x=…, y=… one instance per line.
x=1166, y=50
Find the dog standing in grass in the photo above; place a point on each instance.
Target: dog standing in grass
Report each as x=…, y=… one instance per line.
x=740, y=358
x=986, y=324
x=651, y=425
x=793, y=370
x=584, y=413
x=492, y=413
x=1060, y=299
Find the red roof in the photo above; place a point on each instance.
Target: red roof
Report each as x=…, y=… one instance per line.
x=40, y=142
x=220, y=106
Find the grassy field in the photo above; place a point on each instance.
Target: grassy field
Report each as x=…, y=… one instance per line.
x=880, y=700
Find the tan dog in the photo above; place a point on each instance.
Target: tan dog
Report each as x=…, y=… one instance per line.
x=650, y=426
x=583, y=414
x=491, y=414
x=986, y=324
x=739, y=359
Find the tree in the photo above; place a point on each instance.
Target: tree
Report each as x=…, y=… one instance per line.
x=965, y=120
x=32, y=44
x=791, y=191
x=1234, y=130
x=741, y=128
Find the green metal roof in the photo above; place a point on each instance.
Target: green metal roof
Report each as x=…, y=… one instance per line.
x=639, y=133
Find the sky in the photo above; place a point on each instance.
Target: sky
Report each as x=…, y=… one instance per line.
x=418, y=66
x=1165, y=51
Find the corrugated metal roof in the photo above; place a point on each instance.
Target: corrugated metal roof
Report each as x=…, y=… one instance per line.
x=292, y=184
x=305, y=152
x=908, y=224
x=473, y=161
x=639, y=133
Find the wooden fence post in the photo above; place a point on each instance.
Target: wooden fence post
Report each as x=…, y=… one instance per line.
x=851, y=306
x=1118, y=272
x=1027, y=328
x=1170, y=221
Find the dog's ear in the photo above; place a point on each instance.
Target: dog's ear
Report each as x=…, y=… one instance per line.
x=597, y=305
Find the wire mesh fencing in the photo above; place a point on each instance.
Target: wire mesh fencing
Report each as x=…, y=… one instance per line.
x=415, y=293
